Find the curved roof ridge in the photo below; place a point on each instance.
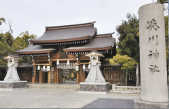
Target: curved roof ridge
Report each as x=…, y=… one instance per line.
x=89, y=24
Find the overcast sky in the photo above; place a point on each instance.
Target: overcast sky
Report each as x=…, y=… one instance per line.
x=34, y=15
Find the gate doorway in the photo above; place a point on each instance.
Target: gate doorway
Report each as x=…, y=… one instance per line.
x=45, y=77
x=68, y=76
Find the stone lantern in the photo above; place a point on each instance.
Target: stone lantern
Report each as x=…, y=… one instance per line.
x=95, y=75
x=12, y=80
x=95, y=82
x=12, y=74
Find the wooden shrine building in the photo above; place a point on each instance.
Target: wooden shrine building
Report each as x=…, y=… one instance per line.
x=60, y=47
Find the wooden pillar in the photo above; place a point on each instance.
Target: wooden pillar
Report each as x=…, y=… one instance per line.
x=77, y=78
x=55, y=75
x=50, y=74
x=40, y=75
x=77, y=75
x=34, y=77
x=81, y=74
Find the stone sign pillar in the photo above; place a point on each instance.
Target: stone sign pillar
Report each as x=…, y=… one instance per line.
x=153, y=53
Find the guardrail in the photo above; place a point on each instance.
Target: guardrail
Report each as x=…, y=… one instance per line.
x=126, y=89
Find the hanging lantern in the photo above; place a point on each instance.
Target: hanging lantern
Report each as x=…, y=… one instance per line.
x=89, y=66
x=48, y=68
x=57, y=62
x=84, y=67
x=44, y=67
x=38, y=67
x=77, y=68
x=68, y=62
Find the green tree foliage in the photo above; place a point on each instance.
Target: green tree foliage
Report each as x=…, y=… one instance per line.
x=126, y=62
x=166, y=35
x=22, y=41
x=2, y=19
x=162, y=1
x=4, y=49
x=9, y=38
x=129, y=37
x=8, y=44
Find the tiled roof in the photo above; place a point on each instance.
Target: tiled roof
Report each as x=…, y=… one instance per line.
x=98, y=43
x=33, y=49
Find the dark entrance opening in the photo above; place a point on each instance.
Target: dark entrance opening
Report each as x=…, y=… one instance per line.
x=45, y=77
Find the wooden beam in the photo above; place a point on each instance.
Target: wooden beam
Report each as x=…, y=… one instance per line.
x=84, y=63
x=43, y=64
x=70, y=59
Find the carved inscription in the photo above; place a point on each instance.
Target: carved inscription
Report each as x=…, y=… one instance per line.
x=154, y=68
x=152, y=25
x=155, y=55
x=153, y=40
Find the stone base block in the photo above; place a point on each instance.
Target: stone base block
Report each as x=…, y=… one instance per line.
x=11, y=85
x=95, y=88
x=143, y=104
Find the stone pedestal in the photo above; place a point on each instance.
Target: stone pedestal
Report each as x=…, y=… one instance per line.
x=143, y=104
x=11, y=85
x=97, y=88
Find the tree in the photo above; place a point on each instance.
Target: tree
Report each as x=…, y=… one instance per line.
x=126, y=62
x=162, y=1
x=22, y=41
x=2, y=19
x=166, y=35
x=4, y=49
x=129, y=37
x=9, y=38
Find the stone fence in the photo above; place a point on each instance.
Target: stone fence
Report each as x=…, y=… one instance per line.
x=126, y=89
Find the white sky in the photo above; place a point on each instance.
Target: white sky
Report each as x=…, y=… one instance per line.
x=34, y=15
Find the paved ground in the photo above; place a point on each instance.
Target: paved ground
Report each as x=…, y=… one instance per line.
x=62, y=98
x=111, y=103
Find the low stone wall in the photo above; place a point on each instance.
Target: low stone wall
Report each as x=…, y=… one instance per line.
x=12, y=85
x=126, y=89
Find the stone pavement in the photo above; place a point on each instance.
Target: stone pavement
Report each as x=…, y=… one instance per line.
x=59, y=98
x=111, y=103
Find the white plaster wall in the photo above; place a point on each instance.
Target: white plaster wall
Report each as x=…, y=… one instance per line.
x=153, y=84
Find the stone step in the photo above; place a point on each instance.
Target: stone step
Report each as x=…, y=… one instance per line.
x=57, y=86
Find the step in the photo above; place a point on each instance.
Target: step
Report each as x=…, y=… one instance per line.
x=57, y=86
